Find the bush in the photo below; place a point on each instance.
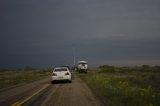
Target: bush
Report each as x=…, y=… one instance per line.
x=118, y=91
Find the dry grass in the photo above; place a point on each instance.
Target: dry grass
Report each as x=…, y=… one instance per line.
x=13, y=77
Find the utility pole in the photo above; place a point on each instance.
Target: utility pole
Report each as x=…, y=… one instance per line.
x=74, y=57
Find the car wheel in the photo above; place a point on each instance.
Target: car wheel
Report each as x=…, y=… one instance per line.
x=52, y=82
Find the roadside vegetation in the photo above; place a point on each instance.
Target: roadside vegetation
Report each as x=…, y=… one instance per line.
x=9, y=77
x=125, y=86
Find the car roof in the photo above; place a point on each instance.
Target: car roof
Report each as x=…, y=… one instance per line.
x=82, y=62
x=61, y=68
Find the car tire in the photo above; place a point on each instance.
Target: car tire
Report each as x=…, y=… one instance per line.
x=52, y=82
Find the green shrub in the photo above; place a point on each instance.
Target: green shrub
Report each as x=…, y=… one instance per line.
x=117, y=91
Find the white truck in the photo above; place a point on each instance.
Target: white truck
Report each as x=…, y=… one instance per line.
x=82, y=66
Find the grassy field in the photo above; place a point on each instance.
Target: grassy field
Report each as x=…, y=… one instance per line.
x=125, y=86
x=13, y=77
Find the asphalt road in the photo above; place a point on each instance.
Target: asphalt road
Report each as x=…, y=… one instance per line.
x=43, y=93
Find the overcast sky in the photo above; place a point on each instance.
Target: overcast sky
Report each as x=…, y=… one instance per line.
x=44, y=33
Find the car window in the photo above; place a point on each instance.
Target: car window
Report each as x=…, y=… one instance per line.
x=83, y=64
x=60, y=69
x=66, y=67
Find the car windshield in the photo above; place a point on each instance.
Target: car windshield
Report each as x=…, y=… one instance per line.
x=82, y=64
x=60, y=69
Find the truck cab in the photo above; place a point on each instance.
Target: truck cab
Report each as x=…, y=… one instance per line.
x=82, y=67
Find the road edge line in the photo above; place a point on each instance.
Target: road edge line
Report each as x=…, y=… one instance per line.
x=30, y=97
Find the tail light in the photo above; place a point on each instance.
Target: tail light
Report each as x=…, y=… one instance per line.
x=54, y=74
x=67, y=73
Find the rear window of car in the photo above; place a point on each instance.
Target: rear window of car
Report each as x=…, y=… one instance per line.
x=82, y=64
x=60, y=69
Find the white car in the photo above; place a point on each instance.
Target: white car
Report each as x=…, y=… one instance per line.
x=61, y=73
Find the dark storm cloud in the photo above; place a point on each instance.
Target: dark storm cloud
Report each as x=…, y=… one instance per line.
x=42, y=33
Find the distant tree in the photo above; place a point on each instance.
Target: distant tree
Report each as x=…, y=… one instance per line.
x=107, y=68
x=156, y=68
x=145, y=66
x=27, y=68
